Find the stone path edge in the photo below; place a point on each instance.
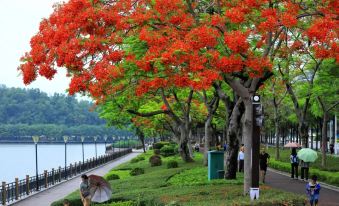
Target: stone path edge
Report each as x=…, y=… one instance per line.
x=327, y=186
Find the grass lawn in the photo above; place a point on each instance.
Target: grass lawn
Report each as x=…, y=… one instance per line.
x=185, y=185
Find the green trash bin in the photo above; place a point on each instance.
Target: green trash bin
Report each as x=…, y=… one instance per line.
x=215, y=164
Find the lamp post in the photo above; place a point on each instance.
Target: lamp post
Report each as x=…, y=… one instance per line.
x=66, y=138
x=128, y=137
x=105, y=138
x=95, y=143
x=36, y=140
x=119, y=142
x=255, y=152
x=83, y=152
x=113, y=138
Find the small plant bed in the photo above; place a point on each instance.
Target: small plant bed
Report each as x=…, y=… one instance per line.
x=185, y=185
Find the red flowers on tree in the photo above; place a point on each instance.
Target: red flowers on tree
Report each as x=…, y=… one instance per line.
x=173, y=43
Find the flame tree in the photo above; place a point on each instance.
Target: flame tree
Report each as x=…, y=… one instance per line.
x=183, y=44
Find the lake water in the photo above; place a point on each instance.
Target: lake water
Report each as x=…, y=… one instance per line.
x=18, y=160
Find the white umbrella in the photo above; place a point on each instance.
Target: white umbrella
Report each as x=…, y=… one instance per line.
x=100, y=189
x=101, y=194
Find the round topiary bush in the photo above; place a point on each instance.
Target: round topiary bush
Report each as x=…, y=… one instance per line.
x=111, y=176
x=167, y=150
x=155, y=160
x=156, y=151
x=159, y=145
x=172, y=164
x=134, y=160
x=141, y=158
x=137, y=171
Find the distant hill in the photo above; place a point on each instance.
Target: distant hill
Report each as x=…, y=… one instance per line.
x=31, y=106
x=27, y=112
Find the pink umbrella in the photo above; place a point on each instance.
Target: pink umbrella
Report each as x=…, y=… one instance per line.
x=292, y=144
x=100, y=189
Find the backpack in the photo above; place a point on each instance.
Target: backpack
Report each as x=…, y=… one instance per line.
x=294, y=159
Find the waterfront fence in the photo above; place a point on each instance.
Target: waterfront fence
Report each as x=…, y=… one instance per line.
x=10, y=192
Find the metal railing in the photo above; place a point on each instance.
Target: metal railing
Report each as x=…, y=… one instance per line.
x=14, y=191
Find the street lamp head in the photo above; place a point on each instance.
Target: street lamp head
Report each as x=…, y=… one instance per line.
x=35, y=139
x=82, y=138
x=256, y=99
x=95, y=138
x=66, y=138
x=113, y=138
x=105, y=137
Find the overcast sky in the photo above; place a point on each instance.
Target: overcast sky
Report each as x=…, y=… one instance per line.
x=19, y=21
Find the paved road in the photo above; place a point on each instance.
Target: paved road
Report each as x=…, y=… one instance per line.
x=48, y=196
x=280, y=181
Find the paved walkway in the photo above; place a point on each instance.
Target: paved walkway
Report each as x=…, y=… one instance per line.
x=48, y=196
x=282, y=181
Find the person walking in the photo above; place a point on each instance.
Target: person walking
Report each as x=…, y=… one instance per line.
x=241, y=157
x=304, y=170
x=85, y=191
x=294, y=163
x=312, y=190
x=263, y=160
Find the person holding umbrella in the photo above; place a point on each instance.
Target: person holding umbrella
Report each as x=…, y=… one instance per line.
x=85, y=191
x=306, y=155
x=304, y=170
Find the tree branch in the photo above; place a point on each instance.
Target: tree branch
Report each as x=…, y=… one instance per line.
x=148, y=114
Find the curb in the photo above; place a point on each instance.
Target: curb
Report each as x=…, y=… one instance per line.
x=324, y=185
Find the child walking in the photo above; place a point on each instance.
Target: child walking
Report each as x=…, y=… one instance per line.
x=312, y=189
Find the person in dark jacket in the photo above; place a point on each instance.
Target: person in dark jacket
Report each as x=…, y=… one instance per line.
x=263, y=160
x=294, y=163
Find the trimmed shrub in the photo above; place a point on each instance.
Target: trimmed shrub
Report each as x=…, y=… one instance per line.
x=137, y=171
x=172, y=164
x=111, y=176
x=155, y=160
x=176, y=149
x=159, y=145
x=125, y=203
x=137, y=159
x=156, y=151
x=167, y=150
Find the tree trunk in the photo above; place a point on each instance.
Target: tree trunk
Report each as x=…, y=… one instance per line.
x=207, y=138
x=143, y=143
x=189, y=145
x=303, y=133
x=141, y=136
x=233, y=141
x=183, y=145
x=324, y=140
x=247, y=138
x=311, y=138
x=317, y=137
x=277, y=138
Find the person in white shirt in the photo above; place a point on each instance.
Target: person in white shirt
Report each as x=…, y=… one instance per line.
x=241, y=156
